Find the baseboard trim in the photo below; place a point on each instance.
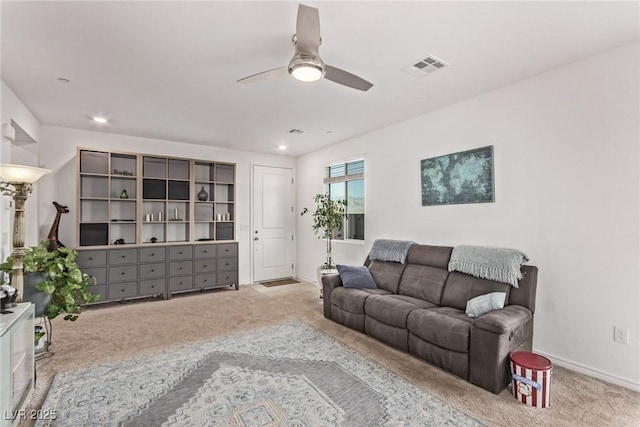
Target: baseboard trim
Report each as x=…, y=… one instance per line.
x=586, y=370
x=313, y=280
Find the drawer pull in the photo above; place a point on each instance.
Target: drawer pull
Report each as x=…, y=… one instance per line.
x=90, y=258
x=122, y=256
x=179, y=268
x=226, y=250
x=226, y=263
x=204, y=252
x=152, y=254
x=153, y=286
x=122, y=273
x=180, y=253
x=152, y=271
x=121, y=290
x=204, y=266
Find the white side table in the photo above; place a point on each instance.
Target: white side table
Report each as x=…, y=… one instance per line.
x=17, y=366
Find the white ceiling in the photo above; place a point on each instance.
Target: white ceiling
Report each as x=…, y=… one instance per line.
x=168, y=70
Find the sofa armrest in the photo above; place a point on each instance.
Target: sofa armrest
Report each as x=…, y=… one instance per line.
x=329, y=283
x=493, y=337
x=503, y=321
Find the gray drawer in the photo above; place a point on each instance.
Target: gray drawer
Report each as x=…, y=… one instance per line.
x=152, y=254
x=227, y=278
x=180, y=252
x=228, y=249
x=152, y=287
x=123, y=273
x=204, y=281
x=204, y=265
x=227, y=264
x=91, y=258
x=123, y=290
x=148, y=271
x=99, y=273
x=177, y=268
x=180, y=283
x=204, y=251
x=99, y=290
x=123, y=256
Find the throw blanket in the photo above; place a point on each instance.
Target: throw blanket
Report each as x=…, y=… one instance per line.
x=390, y=250
x=499, y=264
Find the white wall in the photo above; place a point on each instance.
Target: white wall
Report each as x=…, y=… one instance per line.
x=12, y=110
x=566, y=150
x=58, y=151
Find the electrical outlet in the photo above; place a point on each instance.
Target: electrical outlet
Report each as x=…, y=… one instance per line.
x=621, y=335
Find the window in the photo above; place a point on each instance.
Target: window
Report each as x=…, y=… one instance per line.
x=346, y=181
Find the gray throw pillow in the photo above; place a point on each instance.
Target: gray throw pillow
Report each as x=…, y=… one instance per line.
x=356, y=276
x=483, y=304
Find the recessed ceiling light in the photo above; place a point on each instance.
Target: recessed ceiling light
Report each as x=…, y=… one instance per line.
x=63, y=80
x=282, y=147
x=100, y=119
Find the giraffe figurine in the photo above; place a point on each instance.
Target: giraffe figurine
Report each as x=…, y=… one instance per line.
x=54, y=243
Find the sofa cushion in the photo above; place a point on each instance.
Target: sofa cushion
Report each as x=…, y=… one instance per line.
x=423, y=282
x=445, y=327
x=352, y=299
x=460, y=288
x=393, y=309
x=433, y=256
x=386, y=274
x=356, y=276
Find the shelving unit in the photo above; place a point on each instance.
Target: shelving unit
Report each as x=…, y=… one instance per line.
x=144, y=231
x=107, y=203
x=165, y=200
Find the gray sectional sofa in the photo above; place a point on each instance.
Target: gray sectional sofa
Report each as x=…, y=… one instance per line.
x=419, y=307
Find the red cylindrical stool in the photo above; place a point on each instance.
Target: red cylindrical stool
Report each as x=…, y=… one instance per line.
x=531, y=378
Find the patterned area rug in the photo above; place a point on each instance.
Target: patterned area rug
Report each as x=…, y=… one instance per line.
x=286, y=375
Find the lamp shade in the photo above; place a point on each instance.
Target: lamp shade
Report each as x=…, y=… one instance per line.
x=21, y=174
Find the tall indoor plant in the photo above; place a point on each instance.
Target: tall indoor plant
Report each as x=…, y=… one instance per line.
x=61, y=278
x=328, y=216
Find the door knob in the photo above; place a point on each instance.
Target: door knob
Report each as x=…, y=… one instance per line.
x=256, y=238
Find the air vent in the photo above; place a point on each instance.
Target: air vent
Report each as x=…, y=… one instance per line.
x=426, y=66
x=295, y=131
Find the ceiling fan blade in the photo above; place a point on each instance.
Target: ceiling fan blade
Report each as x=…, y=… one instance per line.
x=345, y=78
x=265, y=75
x=308, y=30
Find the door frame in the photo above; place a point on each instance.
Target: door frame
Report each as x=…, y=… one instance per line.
x=252, y=211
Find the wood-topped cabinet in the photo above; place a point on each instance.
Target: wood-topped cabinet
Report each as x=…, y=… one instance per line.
x=159, y=270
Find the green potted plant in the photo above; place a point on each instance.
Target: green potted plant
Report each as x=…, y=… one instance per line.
x=59, y=277
x=328, y=216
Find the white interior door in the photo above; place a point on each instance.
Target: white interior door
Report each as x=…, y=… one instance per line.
x=273, y=221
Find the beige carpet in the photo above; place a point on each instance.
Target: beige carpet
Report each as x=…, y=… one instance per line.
x=104, y=334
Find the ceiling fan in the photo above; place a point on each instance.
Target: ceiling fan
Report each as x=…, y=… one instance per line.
x=306, y=64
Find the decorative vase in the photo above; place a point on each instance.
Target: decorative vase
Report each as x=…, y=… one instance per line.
x=124, y=194
x=203, y=196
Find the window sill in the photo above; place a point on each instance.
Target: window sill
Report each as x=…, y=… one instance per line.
x=349, y=241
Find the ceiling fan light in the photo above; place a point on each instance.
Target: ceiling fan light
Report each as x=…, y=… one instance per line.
x=306, y=72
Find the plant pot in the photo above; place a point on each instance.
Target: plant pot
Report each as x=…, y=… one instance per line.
x=31, y=294
x=323, y=271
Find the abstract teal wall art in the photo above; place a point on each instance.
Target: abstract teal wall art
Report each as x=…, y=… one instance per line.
x=464, y=177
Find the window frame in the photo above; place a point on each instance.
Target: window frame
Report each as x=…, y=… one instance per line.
x=345, y=178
